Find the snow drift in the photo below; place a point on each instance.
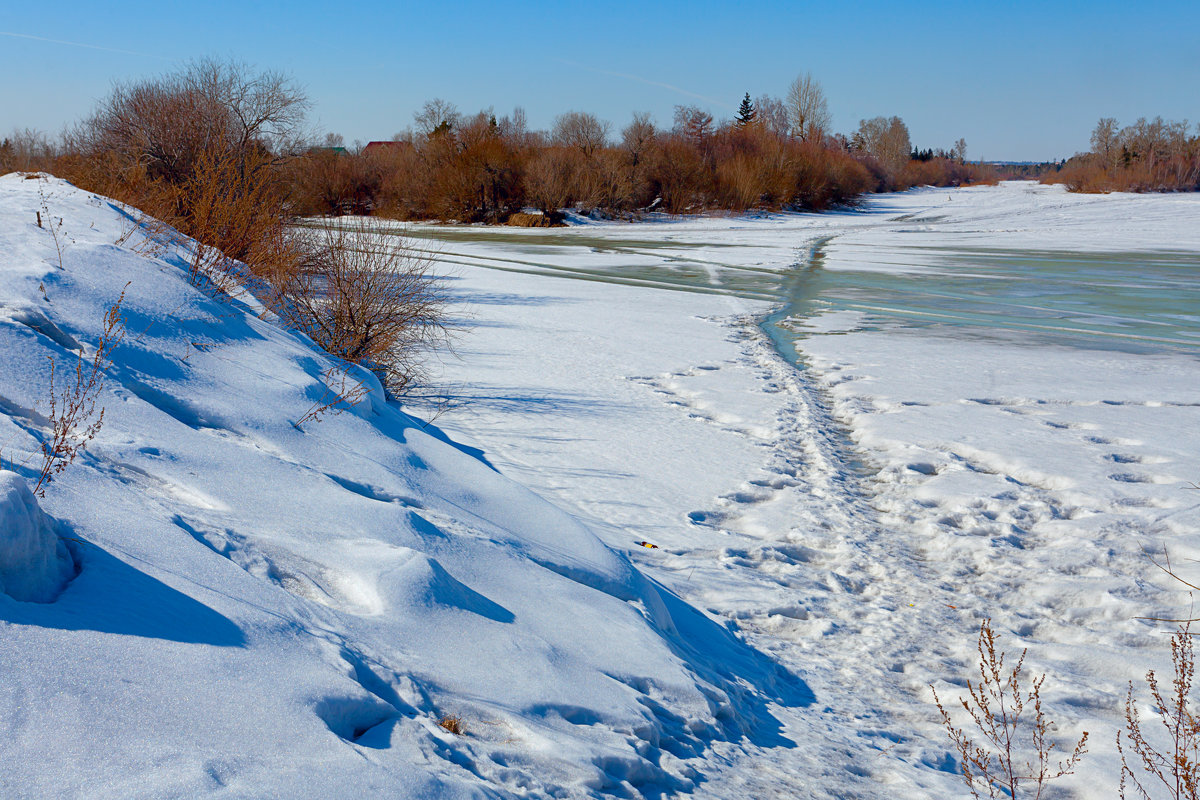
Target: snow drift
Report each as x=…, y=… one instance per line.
x=34, y=561
x=266, y=611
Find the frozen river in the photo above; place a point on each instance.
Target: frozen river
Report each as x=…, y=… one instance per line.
x=996, y=414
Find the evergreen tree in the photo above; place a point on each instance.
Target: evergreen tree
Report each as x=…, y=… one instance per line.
x=746, y=113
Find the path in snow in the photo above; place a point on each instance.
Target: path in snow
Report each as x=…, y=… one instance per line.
x=857, y=517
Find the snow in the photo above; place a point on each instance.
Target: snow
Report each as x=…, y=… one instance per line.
x=272, y=612
x=34, y=561
x=857, y=517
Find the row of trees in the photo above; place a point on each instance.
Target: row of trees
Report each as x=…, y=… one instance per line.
x=1147, y=156
x=158, y=144
x=481, y=168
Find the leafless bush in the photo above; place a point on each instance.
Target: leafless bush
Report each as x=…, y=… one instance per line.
x=995, y=707
x=74, y=420
x=200, y=150
x=171, y=123
x=367, y=296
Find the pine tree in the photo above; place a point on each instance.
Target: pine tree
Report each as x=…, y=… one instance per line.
x=746, y=113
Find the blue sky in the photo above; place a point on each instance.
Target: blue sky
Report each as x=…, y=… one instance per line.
x=1017, y=80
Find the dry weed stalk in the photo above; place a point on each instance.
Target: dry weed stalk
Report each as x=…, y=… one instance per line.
x=995, y=706
x=74, y=420
x=156, y=236
x=56, y=231
x=1177, y=768
x=334, y=401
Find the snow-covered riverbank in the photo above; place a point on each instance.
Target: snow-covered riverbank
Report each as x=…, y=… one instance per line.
x=263, y=611
x=857, y=518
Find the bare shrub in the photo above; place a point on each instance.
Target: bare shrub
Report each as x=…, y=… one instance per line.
x=549, y=179
x=200, y=150
x=57, y=234
x=365, y=295
x=171, y=123
x=74, y=420
x=995, y=707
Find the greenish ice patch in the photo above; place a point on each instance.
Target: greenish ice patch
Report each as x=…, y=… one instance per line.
x=1127, y=301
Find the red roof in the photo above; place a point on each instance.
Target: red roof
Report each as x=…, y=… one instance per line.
x=385, y=145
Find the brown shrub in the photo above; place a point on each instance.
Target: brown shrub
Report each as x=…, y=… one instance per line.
x=365, y=295
x=1176, y=768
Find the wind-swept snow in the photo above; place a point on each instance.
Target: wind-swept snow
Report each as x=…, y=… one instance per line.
x=266, y=611
x=34, y=562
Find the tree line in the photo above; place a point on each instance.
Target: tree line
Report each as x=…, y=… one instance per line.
x=1147, y=156
x=157, y=144
x=773, y=154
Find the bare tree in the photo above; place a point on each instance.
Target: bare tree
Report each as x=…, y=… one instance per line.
x=886, y=139
x=580, y=130
x=959, y=151
x=437, y=116
x=638, y=136
x=169, y=124
x=1104, y=141
x=772, y=115
x=25, y=150
x=807, y=109
x=694, y=124
x=515, y=128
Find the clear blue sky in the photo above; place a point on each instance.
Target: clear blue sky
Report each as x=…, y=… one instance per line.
x=1018, y=80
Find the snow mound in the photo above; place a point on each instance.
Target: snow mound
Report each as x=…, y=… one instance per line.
x=34, y=561
x=266, y=611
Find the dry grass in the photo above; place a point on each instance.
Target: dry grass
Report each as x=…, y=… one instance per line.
x=455, y=725
x=1174, y=769
x=523, y=220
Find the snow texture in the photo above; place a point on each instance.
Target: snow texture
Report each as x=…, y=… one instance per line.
x=857, y=512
